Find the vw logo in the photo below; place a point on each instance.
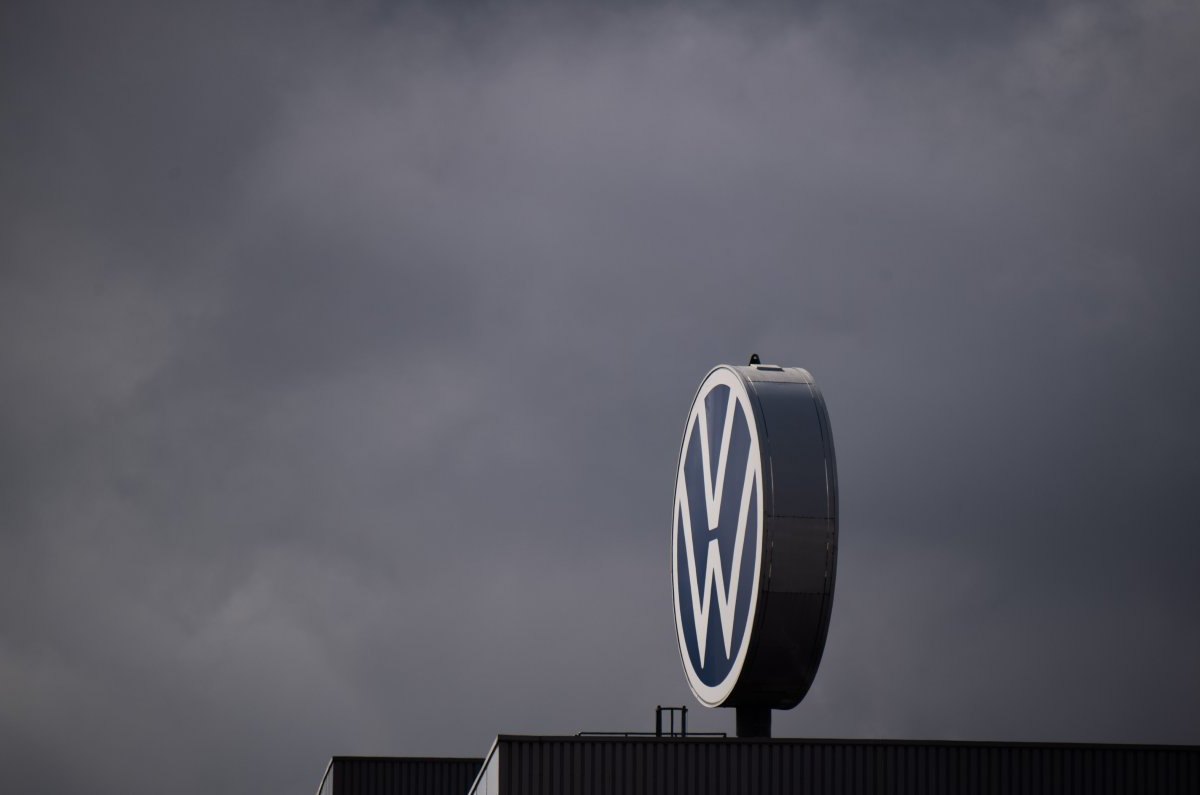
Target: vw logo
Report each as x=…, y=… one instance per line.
x=717, y=536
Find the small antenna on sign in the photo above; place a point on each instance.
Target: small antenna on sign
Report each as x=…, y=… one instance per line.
x=754, y=359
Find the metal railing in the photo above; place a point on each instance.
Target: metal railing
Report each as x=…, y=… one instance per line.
x=669, y=730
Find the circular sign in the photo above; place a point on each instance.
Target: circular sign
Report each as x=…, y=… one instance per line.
x=754, y=536
x=718, y=535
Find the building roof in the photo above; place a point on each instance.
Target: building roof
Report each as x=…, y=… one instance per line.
x=385, y=775
x=532, y=765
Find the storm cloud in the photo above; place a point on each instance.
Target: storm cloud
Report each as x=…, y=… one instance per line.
x=345, y=351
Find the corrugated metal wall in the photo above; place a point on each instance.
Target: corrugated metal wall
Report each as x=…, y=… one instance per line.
x=598, y=766
x=360, y=775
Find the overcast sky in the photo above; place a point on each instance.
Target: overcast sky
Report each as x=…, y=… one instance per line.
x=345, y=351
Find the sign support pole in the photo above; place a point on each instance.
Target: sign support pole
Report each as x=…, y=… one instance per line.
x=754, y=722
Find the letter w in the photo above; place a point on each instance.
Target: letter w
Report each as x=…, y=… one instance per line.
x=714, y=571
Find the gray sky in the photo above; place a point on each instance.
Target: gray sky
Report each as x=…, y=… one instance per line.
x=345, y=351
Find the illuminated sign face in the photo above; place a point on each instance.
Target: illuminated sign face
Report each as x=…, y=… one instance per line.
x=717, y=536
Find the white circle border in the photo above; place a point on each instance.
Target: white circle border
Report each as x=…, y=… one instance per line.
x=714, y=696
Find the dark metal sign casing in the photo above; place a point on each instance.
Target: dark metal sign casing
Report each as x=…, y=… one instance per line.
x=754, y=537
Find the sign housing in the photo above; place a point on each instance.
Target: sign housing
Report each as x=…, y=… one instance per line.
x=754, y=537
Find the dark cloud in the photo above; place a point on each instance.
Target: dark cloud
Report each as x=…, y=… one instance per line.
x=343, y=356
